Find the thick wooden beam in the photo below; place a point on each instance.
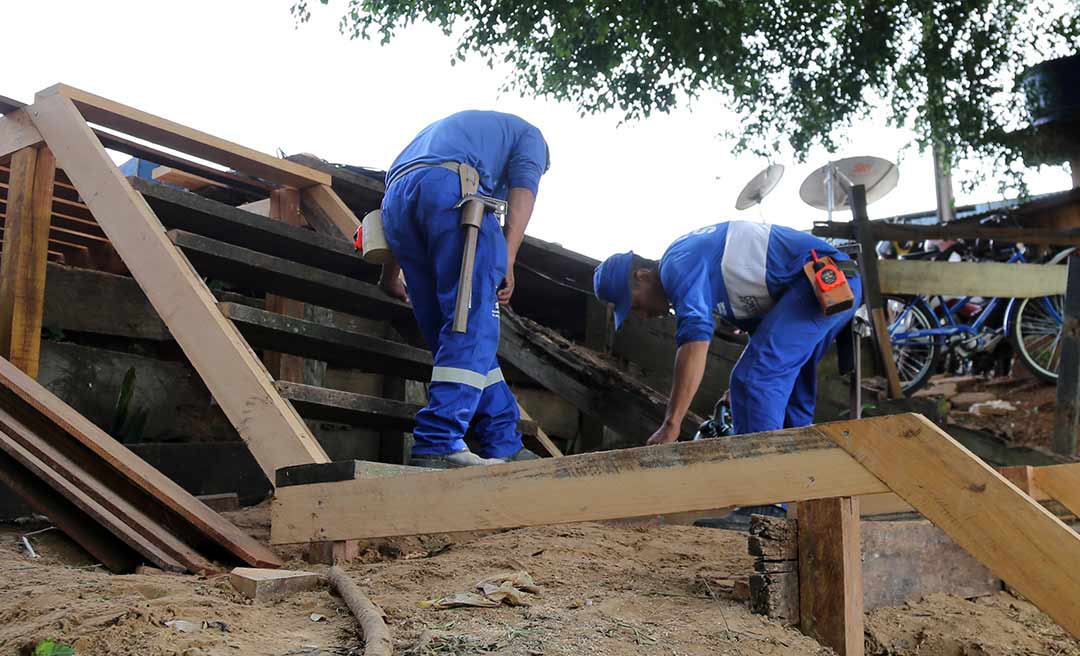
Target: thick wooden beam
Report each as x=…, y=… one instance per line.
x=1067, y=411
x=794, y=464
x=285, y=207
x=989, y=279
x=830, y=574
x=143, y=125
x=1061, y=483
x=17, y=131
x=24, y=256
x=1010, y=533
x=273, y=431
x=327, y=213
x=902, y=232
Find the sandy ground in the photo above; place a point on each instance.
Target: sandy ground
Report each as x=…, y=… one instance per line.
x=605, y=590
x=1031, y=424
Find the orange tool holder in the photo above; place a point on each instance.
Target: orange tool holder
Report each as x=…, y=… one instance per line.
x=829, y=283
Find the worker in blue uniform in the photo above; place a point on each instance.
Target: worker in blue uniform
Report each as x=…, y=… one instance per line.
x=423, y=230
x=751, y=275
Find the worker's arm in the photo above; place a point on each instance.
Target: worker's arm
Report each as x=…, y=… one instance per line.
x=391, y=283
x=519, y=211
x=690, y=362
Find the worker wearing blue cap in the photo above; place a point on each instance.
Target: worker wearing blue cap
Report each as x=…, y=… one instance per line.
x=751, y=275
x=504, y=157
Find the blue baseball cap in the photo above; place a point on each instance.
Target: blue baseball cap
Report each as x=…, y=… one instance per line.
x=611, y=282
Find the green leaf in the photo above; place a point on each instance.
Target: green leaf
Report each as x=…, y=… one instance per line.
x=50, y=648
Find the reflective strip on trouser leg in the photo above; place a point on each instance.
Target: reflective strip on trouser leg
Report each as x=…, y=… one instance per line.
x=457, y=375
x=496, y=419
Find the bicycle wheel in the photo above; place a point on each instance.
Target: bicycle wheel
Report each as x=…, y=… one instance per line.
x=1035, y=333
x=915, y=356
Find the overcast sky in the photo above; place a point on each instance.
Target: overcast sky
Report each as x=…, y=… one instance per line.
x=241, y=70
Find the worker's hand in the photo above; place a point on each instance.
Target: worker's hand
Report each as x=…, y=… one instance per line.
x=394, y=288
x=506, y=289
x=666, y=434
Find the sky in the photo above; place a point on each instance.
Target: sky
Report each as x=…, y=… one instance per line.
x=243, y=71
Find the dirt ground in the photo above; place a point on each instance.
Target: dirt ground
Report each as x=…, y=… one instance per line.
x=605, y=590
x=1030, y=424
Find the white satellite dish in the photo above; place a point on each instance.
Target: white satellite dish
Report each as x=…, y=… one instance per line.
x=759, y=186
x=827, y=188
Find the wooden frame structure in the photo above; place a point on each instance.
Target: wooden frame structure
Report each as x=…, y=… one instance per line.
x=981, y=510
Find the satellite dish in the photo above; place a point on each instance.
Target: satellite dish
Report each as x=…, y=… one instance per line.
x=759, y=186
x=827, y=187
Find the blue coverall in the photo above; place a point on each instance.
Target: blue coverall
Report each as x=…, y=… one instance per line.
x=424, y=233
x=752, y=274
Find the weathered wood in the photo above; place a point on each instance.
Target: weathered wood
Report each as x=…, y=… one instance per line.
x=74, y=297
x=86, y=443
x=274, y=432
x=773, y=538
x=776, y=596
x=266, y=585
x=17, y=131
x=377, y=640
x=67, y=516
x=746, y=470
x=988, y=279
x=143, y=125
x=266, y=273
x=24, y=256
x=327, y=213
x=340, y=470
x=1067, y=410
x=1009, y=532
x=953, y=230
x=344, y=348
x=830, y=574
x=183, y=210
x=285, y=207
x=1062, y=483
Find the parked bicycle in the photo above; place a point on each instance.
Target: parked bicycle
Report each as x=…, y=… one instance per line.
x=971, y=334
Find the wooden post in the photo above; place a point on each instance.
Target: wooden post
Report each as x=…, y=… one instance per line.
x=872, y=287
x=285, y=207
x=1067, y=413
x=599, y=335
x=24, y=256
x=830, y=574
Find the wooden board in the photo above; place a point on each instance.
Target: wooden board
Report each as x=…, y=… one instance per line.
x=989, y=279
x=1067, y=410
x=73, y=300
x=327, y=213
x=746, y=470
x=980, y=510
x=24, y=257
x=143, y=125
x=266, y=273
x=273, y=431
x=285, y=208
x=132, y=468
x=17, y=131
x=830, y=574
x=1061, y=483
x=182, y=210
x=169, y=175
x=344, y=348
x=953, y=230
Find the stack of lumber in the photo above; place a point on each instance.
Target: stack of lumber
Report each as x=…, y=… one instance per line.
x=120, y=509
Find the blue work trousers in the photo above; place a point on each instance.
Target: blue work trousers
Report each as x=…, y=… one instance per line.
x=467, y=388
x=774, y=383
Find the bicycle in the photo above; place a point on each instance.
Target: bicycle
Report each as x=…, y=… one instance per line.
x=922, y=331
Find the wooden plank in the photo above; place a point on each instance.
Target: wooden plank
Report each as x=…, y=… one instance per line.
x=1061, y=483
x=190, y=181
x=345, y=348
x=190, y=212
x=85, y=503
x=830, y=574
x=1019, y=540
x=24, y=256
x=746, y=470
x=1067, y=410
x=989, y=279
x=17, y=131
x=143, y=125
x=132, y=468
x=238, y=381
x=359, y=409
x=73, y=299
x=953, y=230
x=285, y=207
x=327, y=213
x=548, y=448
x=266, y=273
x=32, y=434
x=68, y=517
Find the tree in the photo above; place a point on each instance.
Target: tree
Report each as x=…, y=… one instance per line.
x=796, y=71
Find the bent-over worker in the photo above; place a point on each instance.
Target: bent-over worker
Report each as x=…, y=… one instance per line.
x=423, y=228
x=751, y=274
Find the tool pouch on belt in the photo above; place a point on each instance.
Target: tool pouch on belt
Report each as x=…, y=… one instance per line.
x=472, y=213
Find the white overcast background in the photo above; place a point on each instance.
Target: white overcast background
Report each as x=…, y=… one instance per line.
x=242, y=70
